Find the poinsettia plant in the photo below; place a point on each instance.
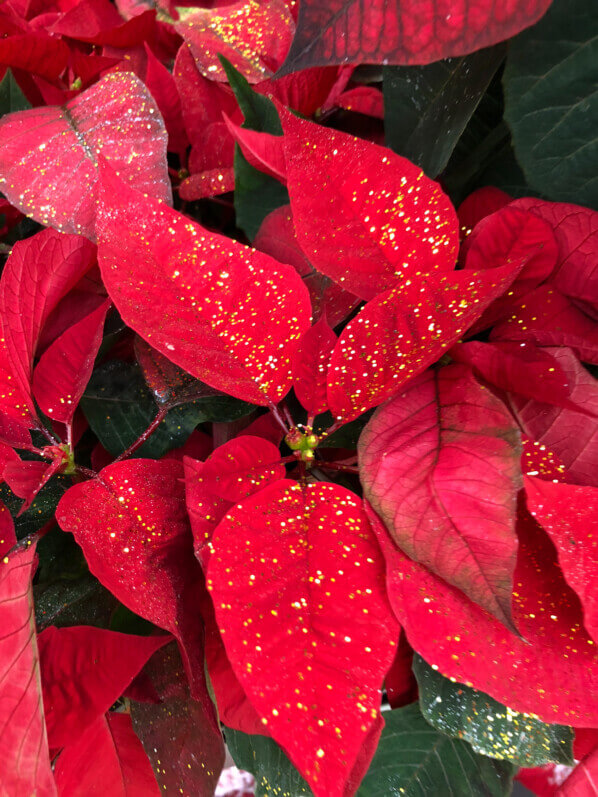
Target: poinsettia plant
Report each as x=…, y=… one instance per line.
x=298, y=414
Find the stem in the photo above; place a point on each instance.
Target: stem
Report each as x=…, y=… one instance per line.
x=161, y=414
x=287, y=415
x=332, y=429
x=86, y=472
x=278, y=417
x=338, y=466
x=49, y=437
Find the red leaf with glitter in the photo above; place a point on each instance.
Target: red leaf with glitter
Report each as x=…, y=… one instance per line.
x=84, y=670
x=254, y=36
x=440, y=463
x=311, y=365
x=64, y=368
x=132, y=526
x=354, y=204
x=572, y=434
x=548, y=318
x=107, y=759
x=569, y=514
x=98, y=22
x=478, y=205
x=400, y=683
x=401, y=332
x=26, y=765
x=117, y=117
x=239, y=313
x=518, y=368
x=363, y=99
x=576, y=231
x=38, y=273
x=583, y=781
x=513, y=237
x=208, y=183
x=526, y=672
x=234, y=471
x=263, y=151
x=538, y=460
x=184, y=747
x=321, y=636
x=402, y=32
x=276, y=237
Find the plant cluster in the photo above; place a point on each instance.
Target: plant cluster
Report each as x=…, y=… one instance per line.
x=296, y=457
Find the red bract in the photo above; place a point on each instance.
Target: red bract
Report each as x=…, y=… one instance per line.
x=311, y=365
x=548, y=318
x=569, y=514
x=513, y=237
x=26, y=479
x=225, y=313
x=401, y=332
x=276, y=237
x=583, y=781
x=440, y=464
x=107, y=759
x=231, y=473
x=35, y=52
x=406, y=32
x=576, y=231
x=25, y=759
x=64, y=369
x=550, y=670
x=84, y=670
x=38, y=273
x=60, y=146
x=163, y=88
x=321, y=635
x=132, y=526
x=571, y=431
x=263, y=151
x=364, y=216
x=478, y=205
x=254, y=36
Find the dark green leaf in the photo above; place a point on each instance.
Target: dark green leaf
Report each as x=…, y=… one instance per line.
x=256, y=193
x=491, y=728
x=11, y=97
x=119, y=407
x=66, y=603
x=274, y=774
x=551, y=101
x=414, y=760
x=428, y=107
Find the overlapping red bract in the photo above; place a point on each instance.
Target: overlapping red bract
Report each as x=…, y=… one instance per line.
x=380, y=219
x=60, y=146
x=84, y=671
x=38, y=273
x=325, y=663
x=107, y=759
x=311, y=365
x=549, y=670
x=404, y=31
x=239, y=313
x=401, y=332
x=132, y=526
x=26, y=761
x=440, y=464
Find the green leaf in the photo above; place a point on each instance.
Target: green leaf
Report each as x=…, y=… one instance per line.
x=274, y=774
x=119, y=407
x=41, y=510
x=491, y=728
x=256, y=194
x=65, y=603
x=414, y=760
x=428, y=107
x=551, y=102
x=11, y=97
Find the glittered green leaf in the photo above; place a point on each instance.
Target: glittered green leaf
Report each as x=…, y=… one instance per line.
x=414, y=760
x=491, y=728
x=550, y=102
x=274, y=774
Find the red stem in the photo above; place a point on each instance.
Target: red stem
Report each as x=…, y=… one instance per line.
x=278, y=417
x=338, y=466
x=143, y=437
